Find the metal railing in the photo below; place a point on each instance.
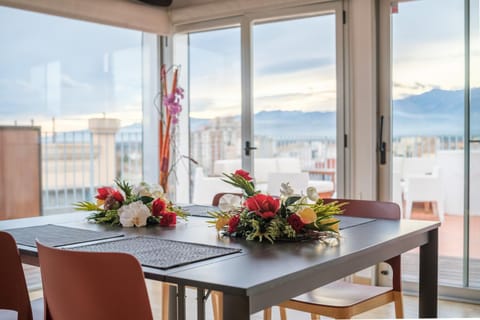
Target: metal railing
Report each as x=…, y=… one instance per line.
x=74, y=166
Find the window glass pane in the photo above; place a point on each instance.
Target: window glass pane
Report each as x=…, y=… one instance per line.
x=428, y=125
x=215, y=108
x=80, y=83
x=475, y=143
x=295, y=104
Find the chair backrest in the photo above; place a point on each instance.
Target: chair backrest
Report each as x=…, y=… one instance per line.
x=81, y=285
x=218, y=196
x=376, y=210
x=369, y=208
x=13, y=287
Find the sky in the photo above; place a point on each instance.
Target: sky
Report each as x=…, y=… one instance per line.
x=67, y=69
x=74, y=70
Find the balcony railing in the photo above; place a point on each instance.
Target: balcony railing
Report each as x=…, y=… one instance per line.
x=74, y=165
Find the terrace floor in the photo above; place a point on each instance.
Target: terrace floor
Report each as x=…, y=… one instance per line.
x=450, y=249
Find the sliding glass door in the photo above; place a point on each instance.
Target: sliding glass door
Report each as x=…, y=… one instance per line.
x=430, y=107
x=265, y=93
x=295, y=101
x=215, y=107
x=473, y=146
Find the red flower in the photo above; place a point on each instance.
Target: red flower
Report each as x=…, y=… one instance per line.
x=168, y=219
x=233, y=223
x=296, y=222
x=263, y=205
x=158, y=207
x=104, y=192
x=244, y=174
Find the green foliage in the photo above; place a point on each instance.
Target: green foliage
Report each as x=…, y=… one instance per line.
x=86, y=206
x=111, y=216
x=105, y=216
x=320, y=222
x=126, y=187
x=240, y=182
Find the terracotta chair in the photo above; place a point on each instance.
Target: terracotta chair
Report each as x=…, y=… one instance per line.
x=342, y=299
x=92, y=285
x=13, y=287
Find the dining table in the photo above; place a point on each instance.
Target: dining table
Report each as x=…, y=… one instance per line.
x=251, y=275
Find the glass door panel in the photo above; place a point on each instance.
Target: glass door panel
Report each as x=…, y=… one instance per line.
x=295, y=103
x=474, y=212
x=215, y=109
x=428, y=124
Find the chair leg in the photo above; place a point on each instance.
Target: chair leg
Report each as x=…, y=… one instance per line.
x=217, y=305
x=314, y=316
x=283, y=313
x=440, y=210
x=398, y=300
x=408, y=209
x=165, y=300
x=267, y=314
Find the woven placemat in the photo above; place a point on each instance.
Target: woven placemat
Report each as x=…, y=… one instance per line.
x=57, y=236
x=160, y=253
x=349, y=222
x=199, y=210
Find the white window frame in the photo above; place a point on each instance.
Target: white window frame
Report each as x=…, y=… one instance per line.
x=246, y=22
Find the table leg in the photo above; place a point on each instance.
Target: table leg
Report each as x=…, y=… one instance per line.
x=172, y=302
x=181, y=302
x=201, y=303
x=428, y=286
x=235, y=307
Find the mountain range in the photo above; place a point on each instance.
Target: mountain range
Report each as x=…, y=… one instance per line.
x=435, y=112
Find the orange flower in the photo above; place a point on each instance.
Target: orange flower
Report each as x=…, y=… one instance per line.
x=307, y=215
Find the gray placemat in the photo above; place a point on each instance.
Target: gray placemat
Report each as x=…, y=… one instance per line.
x=349, y=222
x=160, y=253
x=57, y=236
x=199, y=210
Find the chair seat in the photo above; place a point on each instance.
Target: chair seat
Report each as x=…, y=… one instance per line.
x=37, y=309
x=341, y=294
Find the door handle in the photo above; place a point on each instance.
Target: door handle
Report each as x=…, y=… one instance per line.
x=248, y=147
x=382, y=145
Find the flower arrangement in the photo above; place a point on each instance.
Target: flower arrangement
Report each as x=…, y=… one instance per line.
x=260, y=216
x=168, y=120
x=131, y=206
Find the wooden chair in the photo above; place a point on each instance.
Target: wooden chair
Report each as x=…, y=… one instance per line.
x=342, y=299
x=13, y=287
x=81, y=285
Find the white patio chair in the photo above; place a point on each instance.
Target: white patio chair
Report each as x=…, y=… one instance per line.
x=425, y=188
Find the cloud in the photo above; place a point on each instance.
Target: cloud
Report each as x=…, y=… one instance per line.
x=69, y=82
x=291, y=66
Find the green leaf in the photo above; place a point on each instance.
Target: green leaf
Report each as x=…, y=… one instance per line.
x=86, y=206
x=291, y=200
x=146, y=199
x=126, y=187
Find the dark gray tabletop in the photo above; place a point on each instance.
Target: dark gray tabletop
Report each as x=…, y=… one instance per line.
x=265, y=274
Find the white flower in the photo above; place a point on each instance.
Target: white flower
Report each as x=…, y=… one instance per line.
x=229, y=202
x=142, y=190
x=157, y=191
x=312, y=194
x=286, y=190
x=134, y=214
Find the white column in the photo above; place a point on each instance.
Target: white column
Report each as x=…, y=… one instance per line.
x=103, y=136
